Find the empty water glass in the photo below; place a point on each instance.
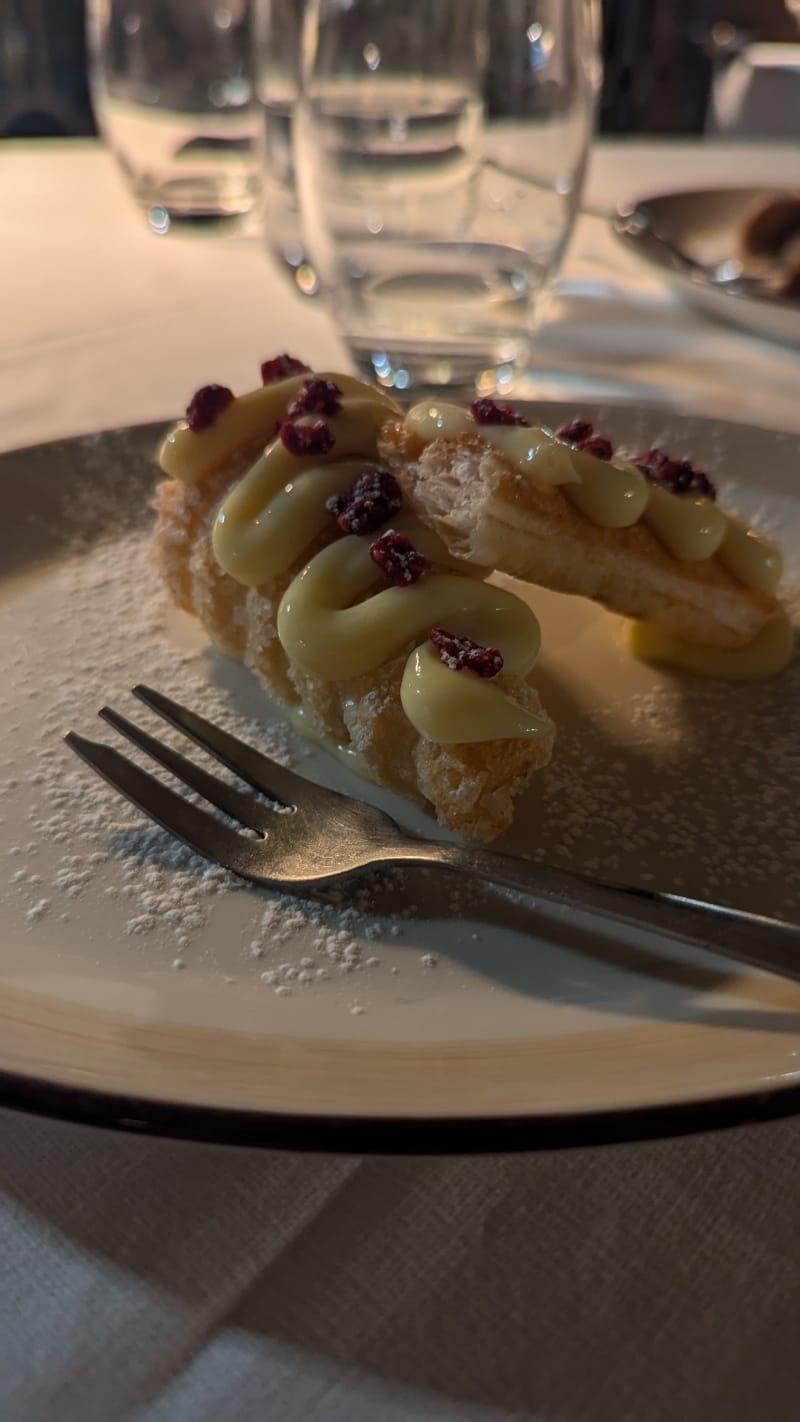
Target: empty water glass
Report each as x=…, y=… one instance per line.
x=440, y=148
x=173, y=92
x=277, y=28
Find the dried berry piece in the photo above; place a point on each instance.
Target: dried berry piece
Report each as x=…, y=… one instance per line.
x=206, y=404
x=654, y=464
x=397, y=557
x=316, y=396
x=677, y=476
x=580, y=434
x=597, y=445
x=281, y=367
x=306, y=439
x=575, y=431
x=368, y=503
x=699, y=481
x=488, y=412
x=461, y=653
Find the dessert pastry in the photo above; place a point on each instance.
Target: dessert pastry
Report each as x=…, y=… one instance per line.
x=340, y=548
x=300, y=555
x=641, y=534
x=769, y=244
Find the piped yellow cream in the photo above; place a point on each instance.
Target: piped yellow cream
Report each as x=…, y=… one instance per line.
x=439, y=419
x=531, y=449
x=614, y=493
x=456, y=706
x=331, y=628
x=769, y=653
x=242, y=535
x=615, y=500
x=189, y=455
x=751, y=557
x=297, y=515
x=690, y=528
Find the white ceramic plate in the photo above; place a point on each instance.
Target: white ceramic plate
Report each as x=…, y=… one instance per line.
x=692, y=237
x=428, y=1016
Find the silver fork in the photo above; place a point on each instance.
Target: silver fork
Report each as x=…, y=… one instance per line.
x=323, y=837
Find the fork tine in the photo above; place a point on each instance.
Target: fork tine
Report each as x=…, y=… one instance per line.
x=201, y=831
x=258, y=770
x=227, y=798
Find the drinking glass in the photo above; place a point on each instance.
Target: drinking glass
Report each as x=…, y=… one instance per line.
x=277, y=28
x=440, y=148
x=174, y=97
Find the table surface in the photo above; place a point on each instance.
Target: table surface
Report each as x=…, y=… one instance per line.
x=157, y=1280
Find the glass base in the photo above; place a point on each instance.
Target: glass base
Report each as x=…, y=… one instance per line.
x=195, y=200
x=413, y=370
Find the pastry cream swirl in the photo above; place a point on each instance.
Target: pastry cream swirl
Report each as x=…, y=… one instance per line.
x=328, y=625
x=243, y=538
x=615, y=494
x=189, y=456
x=480, y=712
x=336, y=619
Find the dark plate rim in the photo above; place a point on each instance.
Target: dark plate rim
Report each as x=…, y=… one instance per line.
x=383, y=1135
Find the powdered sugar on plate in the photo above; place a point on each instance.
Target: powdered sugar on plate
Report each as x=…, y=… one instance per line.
x=107, y=622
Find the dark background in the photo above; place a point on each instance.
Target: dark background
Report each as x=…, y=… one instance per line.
x=659, y=57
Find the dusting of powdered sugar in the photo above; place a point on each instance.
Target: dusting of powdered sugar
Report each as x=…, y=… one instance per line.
x=105, y=619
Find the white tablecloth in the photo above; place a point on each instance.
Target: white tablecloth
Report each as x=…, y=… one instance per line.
x=168, y=1282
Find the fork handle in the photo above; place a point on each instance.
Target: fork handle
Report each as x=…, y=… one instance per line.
x=767, y=943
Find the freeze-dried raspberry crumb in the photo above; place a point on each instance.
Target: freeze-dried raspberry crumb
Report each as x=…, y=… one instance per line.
x=654, y=463
x=306, y=439
x=206, y=404
x=575, y=431
x=461, y=653
x=488, y=412
x=281, y=367
x=317, y=396
x=677, y=476
x=398, y=559
x=597, y=445
x=580, y=434
x=368, y=503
